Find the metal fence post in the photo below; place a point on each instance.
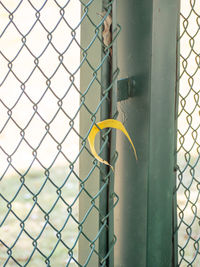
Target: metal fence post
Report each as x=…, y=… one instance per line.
x=144, y=215
x=98, y=226
x=108, y=110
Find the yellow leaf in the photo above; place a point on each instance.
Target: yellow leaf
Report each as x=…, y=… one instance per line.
x=110, y=123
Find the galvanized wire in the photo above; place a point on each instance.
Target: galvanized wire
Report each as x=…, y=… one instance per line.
x=35, y=198
x=188, y=142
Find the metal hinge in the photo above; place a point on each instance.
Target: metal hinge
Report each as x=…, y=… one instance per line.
x=125, y=88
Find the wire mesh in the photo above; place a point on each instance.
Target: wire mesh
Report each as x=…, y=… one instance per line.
x=188, y=145
x=40, y=141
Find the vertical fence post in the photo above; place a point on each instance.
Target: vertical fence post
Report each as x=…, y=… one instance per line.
x=104, y=142
x=144, y=215
x=175, y=222
x=103, y=180
x=108, y=110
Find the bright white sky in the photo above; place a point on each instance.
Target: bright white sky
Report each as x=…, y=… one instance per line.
x=189, y=50
x=36, y=40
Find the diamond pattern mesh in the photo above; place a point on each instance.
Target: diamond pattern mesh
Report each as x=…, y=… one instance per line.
x=41, y=56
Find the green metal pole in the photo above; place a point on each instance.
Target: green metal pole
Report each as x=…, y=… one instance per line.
x=175, y=223
x=147, y=51
x=108, y=110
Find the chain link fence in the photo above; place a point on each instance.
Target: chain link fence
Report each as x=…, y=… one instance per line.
x=188, y=145
x=41, y=140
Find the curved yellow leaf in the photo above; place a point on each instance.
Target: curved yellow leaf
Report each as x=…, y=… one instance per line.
x=109, y=123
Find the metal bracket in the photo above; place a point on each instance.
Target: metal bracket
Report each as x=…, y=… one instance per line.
x=125, y=88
